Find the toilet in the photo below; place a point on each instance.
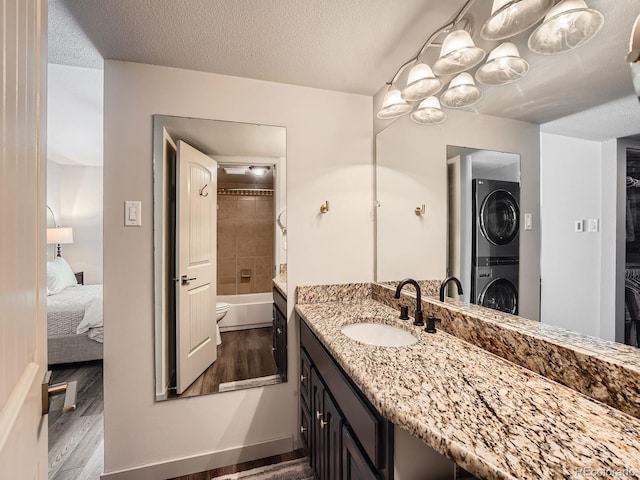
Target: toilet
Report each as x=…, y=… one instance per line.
x=221, y=311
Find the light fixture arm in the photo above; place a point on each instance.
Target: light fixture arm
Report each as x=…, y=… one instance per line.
x=445, y=28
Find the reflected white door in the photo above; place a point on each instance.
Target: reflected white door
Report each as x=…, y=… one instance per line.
x=196, y=247
x=23, y=353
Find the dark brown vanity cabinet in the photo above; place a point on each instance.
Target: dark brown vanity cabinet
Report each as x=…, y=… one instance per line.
x=345, y=436
x=280, y=333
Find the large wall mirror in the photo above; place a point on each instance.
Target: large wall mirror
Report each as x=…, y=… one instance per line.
x=219, y=190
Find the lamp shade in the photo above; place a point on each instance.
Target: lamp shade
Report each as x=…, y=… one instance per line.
x=504, y=65
x=421, y=83
x=60, y=235
x=429, y=112
x=568, y=25
x=462, y=92
x=393, y=105
x=458, y=54
x=510, y=17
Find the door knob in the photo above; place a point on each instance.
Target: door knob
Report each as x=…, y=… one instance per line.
x=185, y=280
x=69, y=389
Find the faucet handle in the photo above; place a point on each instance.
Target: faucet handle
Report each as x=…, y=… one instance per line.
x=404, y=313
x=431, y=324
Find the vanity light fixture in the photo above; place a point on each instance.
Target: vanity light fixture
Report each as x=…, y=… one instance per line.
x=462, y=92
x=429, y=112
x=259, y=170
x=504, y=65
x=458, y=54
x=393, y=105
x=568, y=25
x=421, y=83
x=510, y=17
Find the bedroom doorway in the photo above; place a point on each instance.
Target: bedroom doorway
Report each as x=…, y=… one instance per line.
x=75, y=266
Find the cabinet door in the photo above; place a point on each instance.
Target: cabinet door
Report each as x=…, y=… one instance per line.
x=354, y=465
x=316, y=450
x=305, y=427
x=331, y=422
x=305, y=377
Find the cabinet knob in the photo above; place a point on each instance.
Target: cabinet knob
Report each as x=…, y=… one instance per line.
x=279, y=330
x=302, y=378
x=322, y=424
x=318, y=415
x=303, y=429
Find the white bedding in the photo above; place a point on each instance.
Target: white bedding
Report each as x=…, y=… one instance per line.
x=76, y=310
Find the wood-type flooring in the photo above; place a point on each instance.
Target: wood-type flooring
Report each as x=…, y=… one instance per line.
x=241, y=467
x=244, y=354
x=76, y=439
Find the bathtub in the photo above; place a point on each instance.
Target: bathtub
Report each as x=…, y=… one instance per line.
x=249, y=310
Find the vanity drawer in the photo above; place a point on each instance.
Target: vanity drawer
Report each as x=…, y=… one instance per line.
x=374, y=433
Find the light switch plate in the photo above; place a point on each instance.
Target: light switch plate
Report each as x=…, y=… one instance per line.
x=579, y=226
x=528, y=222
x=132, y=213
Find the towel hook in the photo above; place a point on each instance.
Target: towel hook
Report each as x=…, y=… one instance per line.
x=420, y=210
x=324, y=208
x=202, y=194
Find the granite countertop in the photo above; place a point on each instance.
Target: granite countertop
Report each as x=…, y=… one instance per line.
x=280, y=282
x=494, y=418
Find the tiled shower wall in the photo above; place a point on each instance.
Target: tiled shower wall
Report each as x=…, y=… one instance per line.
x=245, y=243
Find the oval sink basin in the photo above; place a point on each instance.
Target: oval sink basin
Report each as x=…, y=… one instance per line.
x=379, y=334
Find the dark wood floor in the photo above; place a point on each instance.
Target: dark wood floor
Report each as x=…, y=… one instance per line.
x=241, y=467
x=76, y=439
x=244, y=354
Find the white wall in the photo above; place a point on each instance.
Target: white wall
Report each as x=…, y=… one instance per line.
x=329, y=139
x=571, y=189
x=74, y=193
x=414, y=157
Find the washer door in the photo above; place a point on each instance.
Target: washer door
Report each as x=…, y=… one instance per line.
x=499, y=217
x=501, y=295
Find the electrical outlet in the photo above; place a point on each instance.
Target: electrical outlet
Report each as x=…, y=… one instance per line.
x=592, y=225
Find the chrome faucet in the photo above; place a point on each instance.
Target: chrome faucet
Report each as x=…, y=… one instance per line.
x=418, y=317
x=444, y=284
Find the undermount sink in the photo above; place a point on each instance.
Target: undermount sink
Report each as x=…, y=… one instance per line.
x=379, y=334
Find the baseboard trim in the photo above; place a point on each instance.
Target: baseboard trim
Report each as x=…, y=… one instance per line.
x=204, y=462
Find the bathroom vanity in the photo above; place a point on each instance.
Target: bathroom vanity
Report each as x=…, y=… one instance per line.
x=491, y=416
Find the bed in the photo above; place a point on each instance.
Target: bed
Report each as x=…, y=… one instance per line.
x=74, y=322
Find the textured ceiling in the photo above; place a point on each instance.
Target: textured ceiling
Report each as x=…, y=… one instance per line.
x=347, y=45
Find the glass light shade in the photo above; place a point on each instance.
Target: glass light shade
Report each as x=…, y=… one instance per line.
x=458, y=54
x=429, y=112
x=462, y=92
x=259, y=170
x=393, y=105
x=568, y=25
x=60, y=235
x=421, y=83
x=510, y=17
x=504, y=65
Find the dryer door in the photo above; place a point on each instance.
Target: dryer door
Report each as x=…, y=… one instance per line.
x=499, y=217
x=500, y=294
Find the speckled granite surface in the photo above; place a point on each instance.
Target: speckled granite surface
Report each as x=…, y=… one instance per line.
x=280, y=282
x=606, y=371
x=427, y=287
x=494, y=418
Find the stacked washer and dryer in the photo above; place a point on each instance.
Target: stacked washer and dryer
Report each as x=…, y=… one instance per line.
x=495, y=244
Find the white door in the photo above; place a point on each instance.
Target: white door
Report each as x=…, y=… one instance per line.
x=196, y=347
x=23, y=341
